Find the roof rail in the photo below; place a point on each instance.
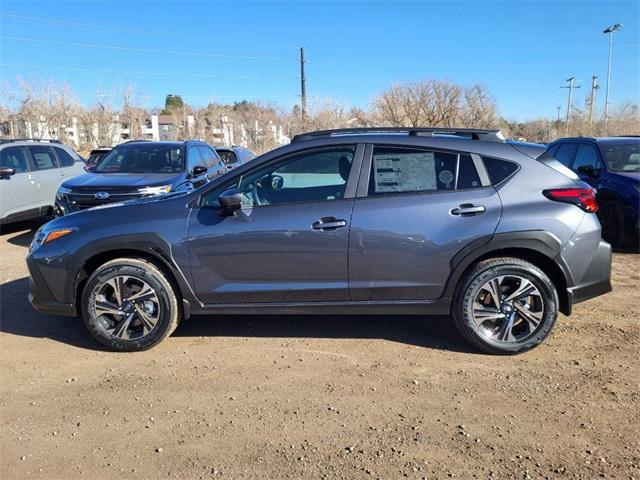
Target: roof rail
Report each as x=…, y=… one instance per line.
x=9, y=140
x=491, y=135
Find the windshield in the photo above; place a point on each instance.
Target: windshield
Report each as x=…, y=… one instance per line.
x=622, y=157
x=142, y=158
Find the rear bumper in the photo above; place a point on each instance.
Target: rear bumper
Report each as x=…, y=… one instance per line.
x=597, y=279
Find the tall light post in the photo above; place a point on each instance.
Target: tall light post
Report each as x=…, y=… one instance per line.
x=610, y=30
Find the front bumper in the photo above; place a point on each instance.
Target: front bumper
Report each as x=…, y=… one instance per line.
x=50, y=291
x=597, y=279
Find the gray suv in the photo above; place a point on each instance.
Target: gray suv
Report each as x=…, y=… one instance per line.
x=360, y=221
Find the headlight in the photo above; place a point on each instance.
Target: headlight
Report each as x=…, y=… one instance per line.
x=46, y=235
x=155, y=190
x=61, y=192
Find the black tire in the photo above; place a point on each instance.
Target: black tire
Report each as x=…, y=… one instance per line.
x=471, y=285
x=611, y=217
x=167, y=312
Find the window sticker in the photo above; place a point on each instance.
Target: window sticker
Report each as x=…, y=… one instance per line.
x=405, y=172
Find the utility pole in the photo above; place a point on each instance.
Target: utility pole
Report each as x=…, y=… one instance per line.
x=303, y=87
x=571, y=86
x=559, y=107
x=592, y=101
x=610, y=30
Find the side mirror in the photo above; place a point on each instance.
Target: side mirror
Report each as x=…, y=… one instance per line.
x=230, y=201
x=587, y=170
x=6, y=172
x=198, y=170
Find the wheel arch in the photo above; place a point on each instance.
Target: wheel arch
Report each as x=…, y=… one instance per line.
x=540, y=248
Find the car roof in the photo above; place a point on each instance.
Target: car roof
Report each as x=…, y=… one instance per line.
x=616, y=139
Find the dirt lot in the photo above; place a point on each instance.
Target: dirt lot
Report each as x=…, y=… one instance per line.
x=320, y=397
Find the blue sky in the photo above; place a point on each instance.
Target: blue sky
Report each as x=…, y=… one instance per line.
x=522, y=50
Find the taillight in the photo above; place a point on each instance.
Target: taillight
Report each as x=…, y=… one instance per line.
x=585, y=198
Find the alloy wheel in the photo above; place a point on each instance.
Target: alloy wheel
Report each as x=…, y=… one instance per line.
x=508, y=308
x=126, y=307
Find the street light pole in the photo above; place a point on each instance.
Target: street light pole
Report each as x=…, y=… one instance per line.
x=610, y=30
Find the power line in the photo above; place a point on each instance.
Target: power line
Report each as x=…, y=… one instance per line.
x=141, y=32
x=141, y=50
x=127, y=72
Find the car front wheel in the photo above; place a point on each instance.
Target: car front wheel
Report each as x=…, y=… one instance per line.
x=129, y=304
x=505, y=306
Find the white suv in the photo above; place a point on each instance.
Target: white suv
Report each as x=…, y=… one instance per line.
x=30, y=173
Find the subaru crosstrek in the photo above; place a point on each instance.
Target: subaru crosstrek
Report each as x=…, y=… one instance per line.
x=364, y=221
x=137, y=169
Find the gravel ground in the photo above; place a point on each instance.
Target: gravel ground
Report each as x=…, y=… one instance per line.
x=319, y=397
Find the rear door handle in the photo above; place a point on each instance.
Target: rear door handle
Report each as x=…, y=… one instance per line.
x=328, y=223
x=468, y=209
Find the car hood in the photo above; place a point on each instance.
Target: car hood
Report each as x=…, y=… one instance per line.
x=107, y=180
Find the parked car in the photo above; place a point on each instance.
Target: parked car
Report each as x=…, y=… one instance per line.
x=612, y=166
x=30, y=173
x=235, y=156
x=139, y=169
x=360, y=221
x=96, y=155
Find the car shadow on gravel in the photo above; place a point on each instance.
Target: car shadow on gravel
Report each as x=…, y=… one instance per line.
x=18, y=318
x=27, y=229
x=436, y=332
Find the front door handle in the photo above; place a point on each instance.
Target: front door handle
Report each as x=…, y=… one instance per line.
x=468, y=209
x=328, y=223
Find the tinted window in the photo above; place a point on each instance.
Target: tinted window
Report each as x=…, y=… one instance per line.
x=586, y=156
x=498, y=170
x=95, y=158
x=315, y=176
x=229, y=157
x=43, y=157
x=194, y=158
x=208, y=156
x=622, y=157
x=14, y=157
x=65, y=159
x=565, y=153
x=141, y=158
x=405, y=170
x=552, y=151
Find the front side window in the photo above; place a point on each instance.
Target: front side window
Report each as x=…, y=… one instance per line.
x=208, y=156
x=406, y=170
x=43, y=157
x=14, y=157
x=622, y=157
x=315, y=176
x=586, y=156
x=141, y=158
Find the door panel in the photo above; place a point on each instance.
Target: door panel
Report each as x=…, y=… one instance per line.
x=46, y=174
x=18, y=192
x=401, y=246
x=270, y=254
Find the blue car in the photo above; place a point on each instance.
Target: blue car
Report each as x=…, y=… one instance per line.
x=138, y=169
x=612, y=166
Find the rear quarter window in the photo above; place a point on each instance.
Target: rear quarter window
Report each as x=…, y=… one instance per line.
x=499, y=170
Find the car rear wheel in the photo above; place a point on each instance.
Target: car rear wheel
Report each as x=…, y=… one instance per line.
x=129, y=304
x=505, y=306
x=612, y=220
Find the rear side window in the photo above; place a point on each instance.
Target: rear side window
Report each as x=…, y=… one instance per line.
x=499, y=170
x=405, y=170
x=65, y=159
x=14, y=157
x=565, y=153
x=43, y=158
x=229, y=157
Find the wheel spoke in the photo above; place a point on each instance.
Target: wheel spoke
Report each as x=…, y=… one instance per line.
x=117, y=284
x=146, y=293
x=482, y=314
x=532, y=318
x=525, y=289
x=121, y=329
x=493, y=287
x=505, y=332
x=105, y=306
x=148, y=322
